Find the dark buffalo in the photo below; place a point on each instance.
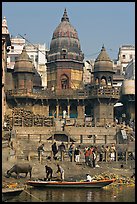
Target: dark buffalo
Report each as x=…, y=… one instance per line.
x=20, y=168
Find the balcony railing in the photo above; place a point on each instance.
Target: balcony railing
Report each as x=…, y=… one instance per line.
x=49, y=94
x=105, y=92
x=65, y=93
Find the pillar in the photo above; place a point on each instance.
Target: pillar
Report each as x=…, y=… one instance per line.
x=47, y=110
x=81, y=111
x=68, y=111
x=57, y=111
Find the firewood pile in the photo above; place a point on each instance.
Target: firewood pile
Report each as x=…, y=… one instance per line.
x=17, y=115
x=28, y=119
x=47, y=122
x=38, y=120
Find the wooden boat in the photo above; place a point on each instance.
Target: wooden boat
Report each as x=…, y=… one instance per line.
x=70, y=184
x=9, y=193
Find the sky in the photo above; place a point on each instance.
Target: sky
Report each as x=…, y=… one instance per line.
x=111, y=24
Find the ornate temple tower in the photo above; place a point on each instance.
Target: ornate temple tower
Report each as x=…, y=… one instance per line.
x=23, y=73
x=105, y=94
x=65, y=58
x=103, y=69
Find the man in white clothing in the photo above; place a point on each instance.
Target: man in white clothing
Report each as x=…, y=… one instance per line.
x=89, y=178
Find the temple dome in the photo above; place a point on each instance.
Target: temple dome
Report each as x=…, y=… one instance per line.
x=23, y=63
x=65, y=37
x=103, y=62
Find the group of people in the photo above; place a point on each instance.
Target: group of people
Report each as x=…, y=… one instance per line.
x=74, y=152
x=92, y=154
x=60, y=170
x=95, y=153
x=61, y=148
x=49, y=172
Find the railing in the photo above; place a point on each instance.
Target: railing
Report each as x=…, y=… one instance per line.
x=49, y=94
x=105, y=92
x=121, y=152
x=79, y=93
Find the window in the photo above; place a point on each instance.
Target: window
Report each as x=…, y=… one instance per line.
x=64, y=82
x=123, y=56
x=36, y=58
x=130, y=56
x=32, y=57
x=64, y=52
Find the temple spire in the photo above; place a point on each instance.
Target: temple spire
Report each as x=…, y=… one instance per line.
x=65, y=16
x=4, y=26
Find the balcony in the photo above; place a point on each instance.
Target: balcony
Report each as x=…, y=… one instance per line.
x=96, y=92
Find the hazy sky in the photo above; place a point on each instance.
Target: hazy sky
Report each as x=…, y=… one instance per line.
x=97, y=23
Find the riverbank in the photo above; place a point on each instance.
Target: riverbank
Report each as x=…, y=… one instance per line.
x=120, y=170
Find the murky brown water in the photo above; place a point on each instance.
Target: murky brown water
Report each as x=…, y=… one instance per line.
x=119, y=194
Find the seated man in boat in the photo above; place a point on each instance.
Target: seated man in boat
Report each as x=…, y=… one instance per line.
x=49, y=172
x=88, y=178
x=61, y=171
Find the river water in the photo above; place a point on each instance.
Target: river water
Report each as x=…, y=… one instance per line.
x=115, y=194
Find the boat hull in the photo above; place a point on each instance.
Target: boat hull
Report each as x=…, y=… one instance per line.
x=69, y=184
x=7, y=194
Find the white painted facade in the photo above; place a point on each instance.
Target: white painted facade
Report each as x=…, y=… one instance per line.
x=36, y=52
x=87, y=69
x=125, y=55
x=130, y=70
x=16, y=48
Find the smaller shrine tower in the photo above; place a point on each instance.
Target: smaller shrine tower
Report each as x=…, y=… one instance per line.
x=23, y=74
x=104, y=92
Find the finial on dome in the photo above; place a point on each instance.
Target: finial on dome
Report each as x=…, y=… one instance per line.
x=65, y=16
x=103, y=47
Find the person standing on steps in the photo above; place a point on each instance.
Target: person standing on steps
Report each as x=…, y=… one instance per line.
x=71, y=151
x=62, y=150
x=54, y=150
x=40, y=151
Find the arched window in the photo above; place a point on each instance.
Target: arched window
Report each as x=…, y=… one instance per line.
x=103, y=81
x=64, y=82
x=97, y=81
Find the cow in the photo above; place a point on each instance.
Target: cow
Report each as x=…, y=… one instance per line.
x=20, y=168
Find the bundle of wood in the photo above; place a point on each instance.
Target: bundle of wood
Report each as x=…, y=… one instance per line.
x=22, y=117
x=38, y=120
x=48, y=122
x=17, y=116
x=27, y=118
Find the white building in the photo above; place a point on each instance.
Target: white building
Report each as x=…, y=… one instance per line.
x=16, y=48
x=87, y=69
x=125, y=55
x=130, y=70
x=36, y=52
